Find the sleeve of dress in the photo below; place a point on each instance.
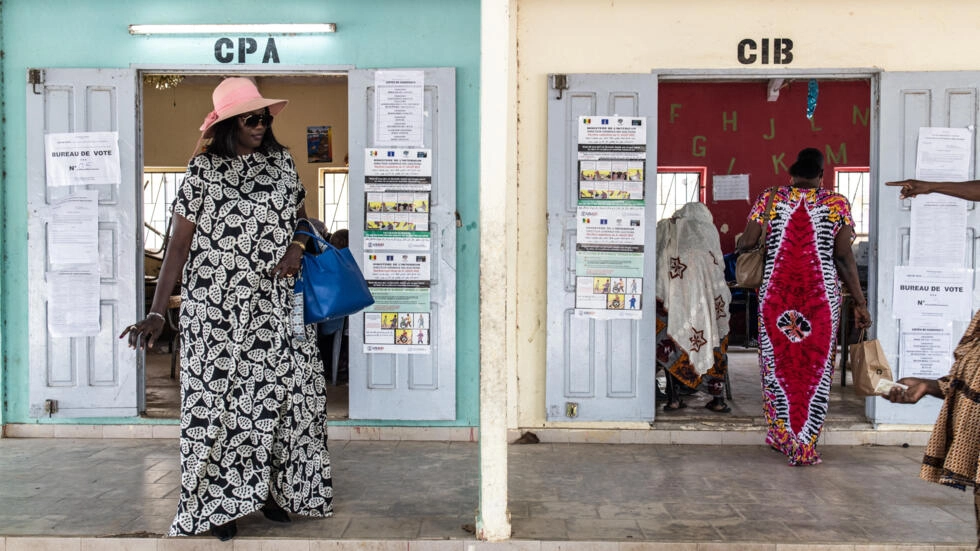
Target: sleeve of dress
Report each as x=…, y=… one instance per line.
x=760, y=205
x=190, y=195
x=840, y=212
x=291, y=166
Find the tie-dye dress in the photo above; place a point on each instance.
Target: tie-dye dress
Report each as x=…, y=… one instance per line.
x=799, y=312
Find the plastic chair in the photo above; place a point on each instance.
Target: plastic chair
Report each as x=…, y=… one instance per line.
x=334, y=329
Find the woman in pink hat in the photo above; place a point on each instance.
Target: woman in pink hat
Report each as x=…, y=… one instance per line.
x=253, y=400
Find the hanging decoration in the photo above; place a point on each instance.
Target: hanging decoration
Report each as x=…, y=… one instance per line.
x=811, y=98
x=163, y=82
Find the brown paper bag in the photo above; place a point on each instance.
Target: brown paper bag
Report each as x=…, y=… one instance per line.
x=868, y=365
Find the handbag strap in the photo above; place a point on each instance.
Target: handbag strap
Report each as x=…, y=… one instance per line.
x=323, y=245
x=765, y=218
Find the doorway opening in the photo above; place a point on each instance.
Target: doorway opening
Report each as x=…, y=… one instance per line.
x=754, y=126
x=314, y=128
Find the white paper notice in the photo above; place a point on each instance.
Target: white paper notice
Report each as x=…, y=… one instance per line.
x=82, y=158
x=936, y=215
x=943, y=154
x=927, y=350
x=399, y=103
x=730, y=187
x=73, y=304
x=935, y=294
x=73, y=233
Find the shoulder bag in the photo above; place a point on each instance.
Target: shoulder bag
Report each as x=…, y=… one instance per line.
x=751, y=264
x=331, y=282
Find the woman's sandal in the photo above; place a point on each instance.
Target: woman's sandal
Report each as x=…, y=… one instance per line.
x=671, y=407
x=274, y=512
x=226, y=531
x=718, y=405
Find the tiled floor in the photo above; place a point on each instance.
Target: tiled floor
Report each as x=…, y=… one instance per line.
x=404, y=492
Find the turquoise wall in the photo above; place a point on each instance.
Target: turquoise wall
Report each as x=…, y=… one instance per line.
x=370, y=33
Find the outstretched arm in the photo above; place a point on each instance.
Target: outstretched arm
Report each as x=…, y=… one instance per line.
x=969, y=190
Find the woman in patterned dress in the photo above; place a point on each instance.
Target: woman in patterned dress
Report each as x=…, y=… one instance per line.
x=809, y=253
x=253, y=396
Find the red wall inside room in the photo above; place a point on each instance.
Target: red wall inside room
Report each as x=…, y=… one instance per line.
x=730, y=128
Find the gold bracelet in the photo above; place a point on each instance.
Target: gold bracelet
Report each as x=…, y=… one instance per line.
x=298, y=242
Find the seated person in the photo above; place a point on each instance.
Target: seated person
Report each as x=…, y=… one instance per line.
x=692, y=307
x=326, y=329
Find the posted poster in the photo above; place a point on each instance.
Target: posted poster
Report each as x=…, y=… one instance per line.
x=730, y=187
x=934, y=294
x=612, y=158
x=397, y=249
x=402, y=267
x=398, y=105
x=82, y=158
x=397, y=332
x=397, y=169
x=73, y=304
x=319, y=144
x=73, y=232
x=611, y=224
x=397, y=211
x=399, y=321
x=926, y=350
x=942, y=155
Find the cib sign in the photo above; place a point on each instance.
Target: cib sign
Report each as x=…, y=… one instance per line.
x=240, y=49
x=778, y=51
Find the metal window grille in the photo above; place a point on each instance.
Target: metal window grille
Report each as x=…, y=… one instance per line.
x=853, y=183
x=676, y=187
x=333, y=188
x=160, y=186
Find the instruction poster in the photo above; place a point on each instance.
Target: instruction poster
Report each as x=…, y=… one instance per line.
x=81, y=158
x=610, y=224
x=397, y=250
x=612, y=158
x=398, y=107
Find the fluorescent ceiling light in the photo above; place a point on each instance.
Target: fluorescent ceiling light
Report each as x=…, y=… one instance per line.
x=267, y=28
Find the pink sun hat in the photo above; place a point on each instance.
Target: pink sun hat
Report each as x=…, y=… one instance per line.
x=234, y=96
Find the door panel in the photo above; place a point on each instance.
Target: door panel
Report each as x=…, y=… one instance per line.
x=88, y=376
x=598, y=370
x=409, y=386
x=909, y=101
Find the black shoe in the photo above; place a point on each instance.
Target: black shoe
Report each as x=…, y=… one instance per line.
x=226, y=531
x=275, y=513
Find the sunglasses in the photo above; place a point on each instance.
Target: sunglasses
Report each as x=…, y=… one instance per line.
x=252, y=120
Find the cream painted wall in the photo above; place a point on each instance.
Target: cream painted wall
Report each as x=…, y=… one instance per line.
x=171, y=119
x=635, y=36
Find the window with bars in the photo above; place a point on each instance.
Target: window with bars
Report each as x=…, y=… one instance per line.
x=160, y=186
x=853, y=183
x=678, y=185
x=334, y=201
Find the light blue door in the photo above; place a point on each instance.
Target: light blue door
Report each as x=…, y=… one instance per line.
x=598, y=370
x=909, y=101
x=92, y=376
x=409, y=386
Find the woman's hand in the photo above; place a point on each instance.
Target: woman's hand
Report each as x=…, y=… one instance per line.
x=862, y=318
x=290, y=263
x=917, y=388
x=143, y=334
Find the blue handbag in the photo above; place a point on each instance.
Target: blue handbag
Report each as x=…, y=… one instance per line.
x=331, y=282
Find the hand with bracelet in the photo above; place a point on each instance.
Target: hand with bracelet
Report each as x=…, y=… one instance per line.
x=144, y=333
x=292, y=259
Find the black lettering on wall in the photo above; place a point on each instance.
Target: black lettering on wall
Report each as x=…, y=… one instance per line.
x=220, y=45
x=746, y=45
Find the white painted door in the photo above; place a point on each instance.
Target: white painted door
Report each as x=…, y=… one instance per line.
x=87, y=376
x=409, y=386
x=909, y=101
x=598, y=370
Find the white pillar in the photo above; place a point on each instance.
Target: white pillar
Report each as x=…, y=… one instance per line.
x=497, y=243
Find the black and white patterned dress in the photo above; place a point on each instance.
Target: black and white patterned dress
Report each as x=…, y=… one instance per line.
x=253, y=398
